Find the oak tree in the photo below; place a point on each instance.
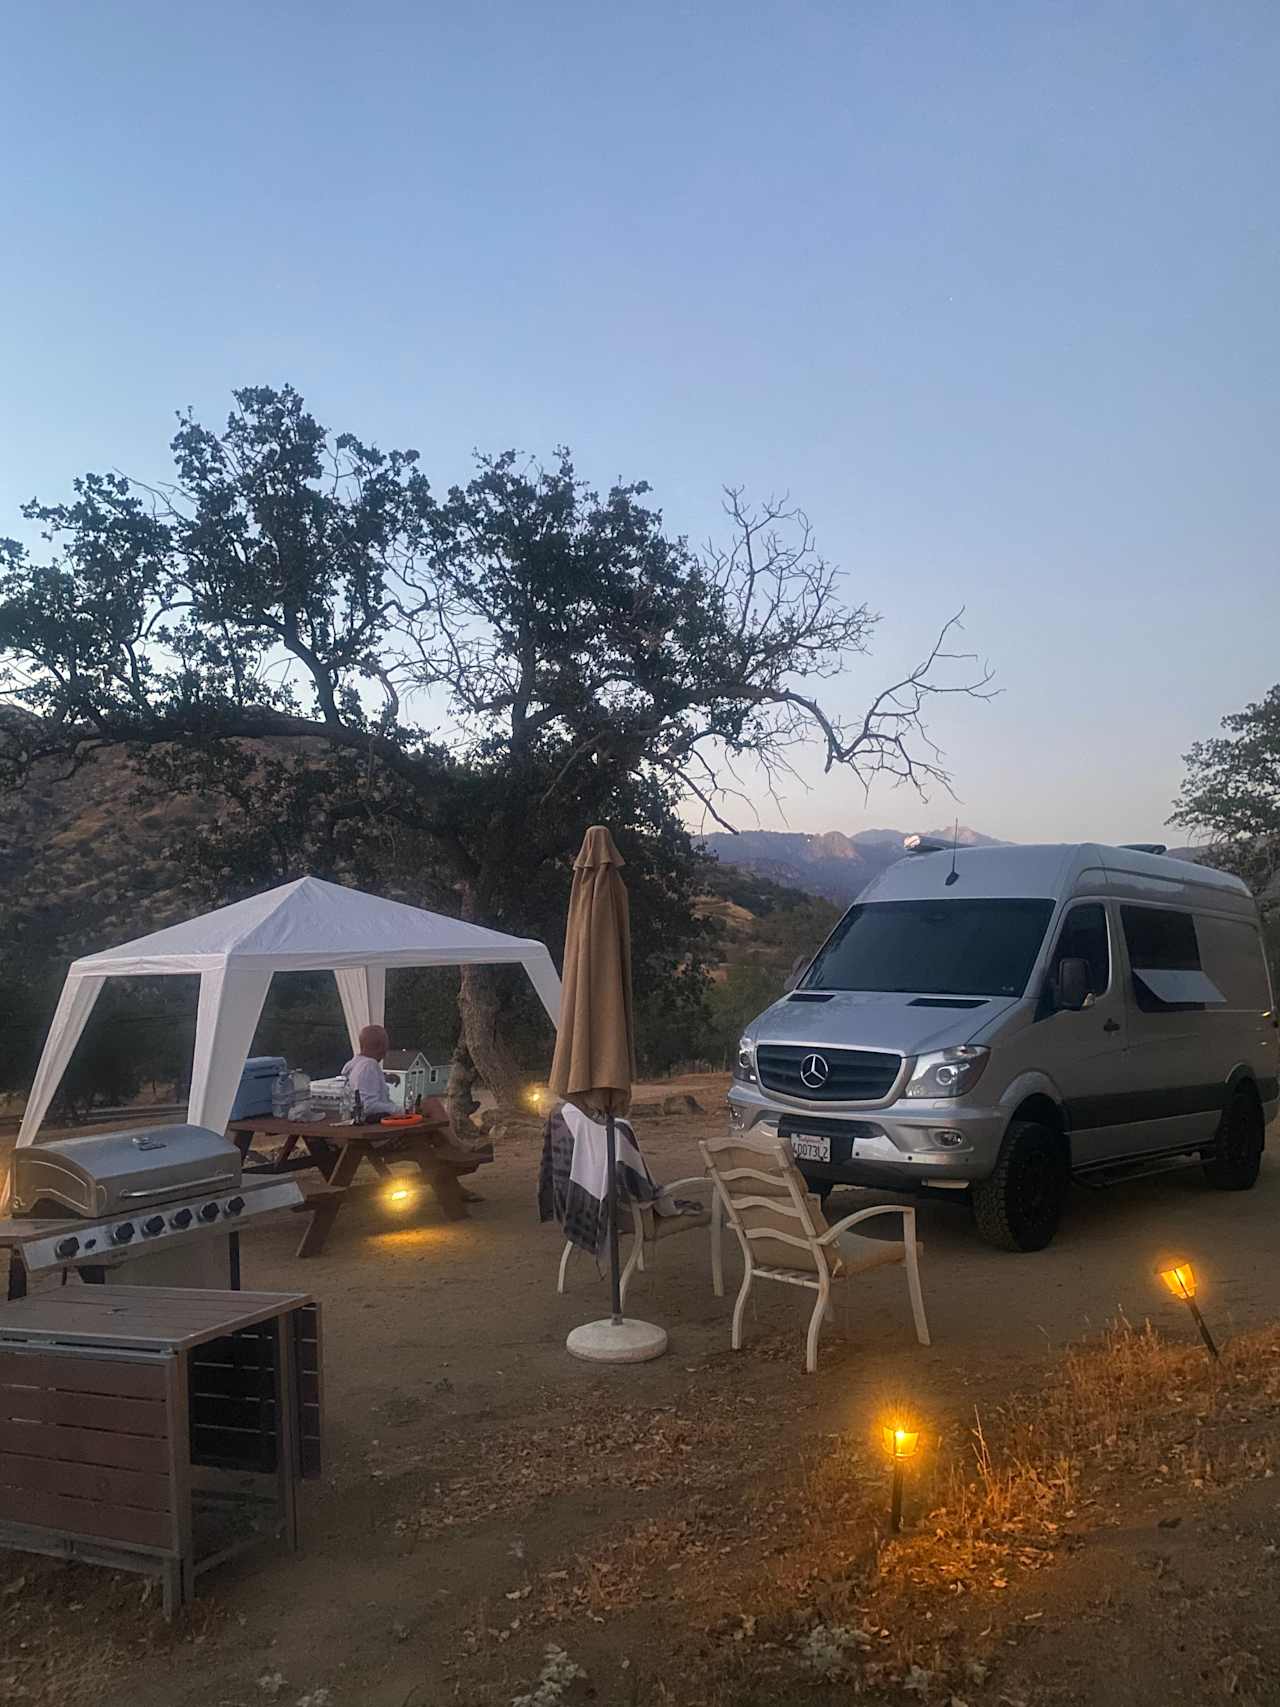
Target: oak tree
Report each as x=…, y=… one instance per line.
x=438, y=691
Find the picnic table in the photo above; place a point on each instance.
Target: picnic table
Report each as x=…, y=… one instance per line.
x=337, y=1151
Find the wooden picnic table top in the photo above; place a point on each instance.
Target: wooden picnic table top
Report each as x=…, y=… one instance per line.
x=332, y=1132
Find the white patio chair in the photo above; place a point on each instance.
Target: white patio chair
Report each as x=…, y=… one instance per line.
x=785, y=1237
x=641, y=1223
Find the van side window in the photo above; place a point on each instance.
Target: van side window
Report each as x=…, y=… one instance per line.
x=1164, y=957
x=1232, y=954
x=1084, y=937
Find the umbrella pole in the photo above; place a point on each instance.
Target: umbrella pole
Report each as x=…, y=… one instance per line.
x=615, y=1273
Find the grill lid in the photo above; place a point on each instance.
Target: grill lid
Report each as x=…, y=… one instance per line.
x=118, y=1170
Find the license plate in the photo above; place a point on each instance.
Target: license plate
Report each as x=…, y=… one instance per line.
x=811, y=1149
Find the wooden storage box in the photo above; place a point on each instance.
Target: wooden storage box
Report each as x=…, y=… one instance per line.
x=156, y=1429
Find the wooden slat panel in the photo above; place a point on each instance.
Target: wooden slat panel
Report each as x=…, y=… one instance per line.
x=306, y=1349
x=230, y=1380
x=240, y=1352
x=74, y=1410
x=234, y=1449
x=218, y=1410
x=82, y=1374
x=106, y=1484
x=84, y=1445
x=88, y=1517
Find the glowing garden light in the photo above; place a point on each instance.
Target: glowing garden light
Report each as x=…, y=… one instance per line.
x=399, y=1197
x=1180, y=1278
x=900, y=1443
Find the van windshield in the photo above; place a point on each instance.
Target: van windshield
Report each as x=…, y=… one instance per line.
x=934, y=948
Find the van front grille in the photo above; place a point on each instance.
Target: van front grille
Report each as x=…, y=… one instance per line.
x=826, y=1075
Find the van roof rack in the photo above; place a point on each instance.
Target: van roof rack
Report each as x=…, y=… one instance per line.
x=1144, y=847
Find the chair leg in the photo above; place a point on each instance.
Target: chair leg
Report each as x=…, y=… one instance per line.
x=717, y=1245
x=564, y=1265
x=634, y=1261
x=735, y=1338
x=917, y=1295
x=815, y=1328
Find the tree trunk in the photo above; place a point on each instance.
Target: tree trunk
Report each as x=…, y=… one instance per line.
x=459, y=1099
x=480, y=1004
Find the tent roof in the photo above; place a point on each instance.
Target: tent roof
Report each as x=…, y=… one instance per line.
x=309, y=926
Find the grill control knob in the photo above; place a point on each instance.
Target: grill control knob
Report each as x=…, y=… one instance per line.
x=152, y=1225
x=180, y=1218
x=66, y=1247
x=208, y=1212
x=234, y=1205
x=123, y=1233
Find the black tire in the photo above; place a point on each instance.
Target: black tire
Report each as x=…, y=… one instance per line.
x=1018, y=1207
x=1237, y=1152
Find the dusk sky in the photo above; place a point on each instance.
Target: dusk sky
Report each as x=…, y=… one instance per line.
x=990, y=289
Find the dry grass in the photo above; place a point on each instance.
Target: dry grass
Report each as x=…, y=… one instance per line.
x=799, y=1592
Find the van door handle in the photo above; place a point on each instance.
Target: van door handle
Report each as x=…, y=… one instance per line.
x=1112, y=1025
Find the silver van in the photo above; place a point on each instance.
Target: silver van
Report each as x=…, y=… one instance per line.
x=991, y=1022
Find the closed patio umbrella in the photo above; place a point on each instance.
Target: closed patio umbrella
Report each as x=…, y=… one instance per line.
x=594, y=1063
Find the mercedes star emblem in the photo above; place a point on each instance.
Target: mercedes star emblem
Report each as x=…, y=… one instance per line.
x=814, y=1072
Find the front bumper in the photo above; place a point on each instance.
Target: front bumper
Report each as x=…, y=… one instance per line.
x=896, y=1147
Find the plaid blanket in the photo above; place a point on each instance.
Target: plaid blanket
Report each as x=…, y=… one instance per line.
x=573, y=1176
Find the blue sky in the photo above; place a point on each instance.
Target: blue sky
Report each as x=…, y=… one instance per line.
x=989, y=288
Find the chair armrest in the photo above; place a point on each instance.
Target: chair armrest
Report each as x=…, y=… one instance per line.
x=906, y=1210
x=694, y=1179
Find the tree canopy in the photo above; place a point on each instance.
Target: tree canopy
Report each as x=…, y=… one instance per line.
x=435, y=693
x=1231, y=792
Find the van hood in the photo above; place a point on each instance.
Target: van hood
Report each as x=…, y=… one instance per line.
x=873, y=1019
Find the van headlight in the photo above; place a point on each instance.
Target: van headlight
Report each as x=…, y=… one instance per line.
x=949, y=1073
x=744, y=1070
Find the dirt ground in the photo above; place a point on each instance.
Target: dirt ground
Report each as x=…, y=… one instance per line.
x=688, y=1530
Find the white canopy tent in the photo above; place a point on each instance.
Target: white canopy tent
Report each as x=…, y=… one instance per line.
x=307, y=926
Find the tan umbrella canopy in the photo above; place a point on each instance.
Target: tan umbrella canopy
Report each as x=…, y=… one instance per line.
x=595, y=1058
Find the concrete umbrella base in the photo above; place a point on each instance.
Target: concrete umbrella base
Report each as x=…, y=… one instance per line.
x=627, y=1341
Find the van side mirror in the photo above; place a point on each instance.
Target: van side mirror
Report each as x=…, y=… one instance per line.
x=1072, y=990
x=793, y=977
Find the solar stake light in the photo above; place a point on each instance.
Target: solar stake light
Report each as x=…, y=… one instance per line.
x=900, y=1443
x=1180, y=1278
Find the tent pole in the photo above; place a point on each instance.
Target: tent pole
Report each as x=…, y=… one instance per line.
x=615, y=1279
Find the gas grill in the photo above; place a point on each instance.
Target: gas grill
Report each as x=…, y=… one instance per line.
x=158, y=1206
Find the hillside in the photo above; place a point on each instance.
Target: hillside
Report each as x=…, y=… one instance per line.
x=836, y=866
x=81, y=860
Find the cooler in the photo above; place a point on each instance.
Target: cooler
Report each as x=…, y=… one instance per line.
x=254, y=1095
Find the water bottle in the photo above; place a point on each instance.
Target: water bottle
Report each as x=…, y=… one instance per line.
x=281, y=1096
x=299, y=1095
x=346, y=1104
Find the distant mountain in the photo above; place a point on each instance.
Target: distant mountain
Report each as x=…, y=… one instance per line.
x=833, y=865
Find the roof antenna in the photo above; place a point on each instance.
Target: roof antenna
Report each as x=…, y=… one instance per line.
x=953, y=876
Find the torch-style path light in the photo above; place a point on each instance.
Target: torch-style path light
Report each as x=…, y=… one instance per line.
x=1180, y=1278
x=900, y=1443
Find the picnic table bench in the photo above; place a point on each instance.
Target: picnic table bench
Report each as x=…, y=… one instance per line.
x=337, y=1151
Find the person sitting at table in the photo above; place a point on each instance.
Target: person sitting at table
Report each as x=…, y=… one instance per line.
x=363, y=1072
